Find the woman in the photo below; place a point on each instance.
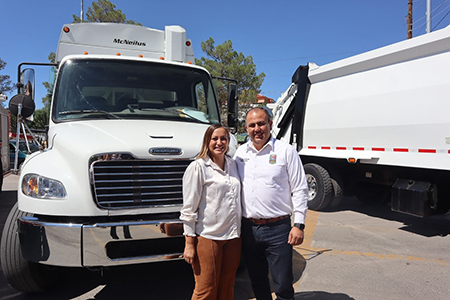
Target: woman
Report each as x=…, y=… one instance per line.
x=211, y=215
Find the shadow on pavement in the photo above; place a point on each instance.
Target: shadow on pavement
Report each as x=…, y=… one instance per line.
x=321, y=296
x=438, y=225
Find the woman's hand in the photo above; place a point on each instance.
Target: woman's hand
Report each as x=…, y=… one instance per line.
x=190, y=249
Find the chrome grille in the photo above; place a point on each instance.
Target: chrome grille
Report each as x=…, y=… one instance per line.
x=138, y=183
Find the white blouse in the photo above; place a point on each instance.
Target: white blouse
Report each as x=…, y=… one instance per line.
x=211, y=200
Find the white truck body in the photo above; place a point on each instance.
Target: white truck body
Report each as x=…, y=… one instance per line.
x=128, y=115
x=384, y=112
x=128, y=40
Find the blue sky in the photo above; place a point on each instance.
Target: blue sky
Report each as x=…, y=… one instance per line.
x=279, y=35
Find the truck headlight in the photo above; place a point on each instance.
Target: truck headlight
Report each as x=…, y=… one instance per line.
x=42, y=187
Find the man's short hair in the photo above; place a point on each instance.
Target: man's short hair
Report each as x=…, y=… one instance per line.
x=266, y=110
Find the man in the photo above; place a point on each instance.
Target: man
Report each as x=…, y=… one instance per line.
x=274, y=189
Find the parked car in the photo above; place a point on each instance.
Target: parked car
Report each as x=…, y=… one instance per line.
x=23, y=151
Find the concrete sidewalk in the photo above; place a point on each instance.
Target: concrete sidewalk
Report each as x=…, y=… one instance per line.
x=10, y=182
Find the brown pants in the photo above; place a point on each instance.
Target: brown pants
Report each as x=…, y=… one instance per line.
x=215, y=268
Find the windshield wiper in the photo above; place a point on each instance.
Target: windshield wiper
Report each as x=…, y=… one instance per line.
x=181, y=112
x=88, y=111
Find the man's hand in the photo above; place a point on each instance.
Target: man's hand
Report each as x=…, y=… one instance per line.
x=296, y=236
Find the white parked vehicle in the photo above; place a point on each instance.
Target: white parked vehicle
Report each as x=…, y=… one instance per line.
x=128, y=115
x=375, y=125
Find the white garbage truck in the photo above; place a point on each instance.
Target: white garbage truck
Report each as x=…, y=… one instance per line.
x=375, y=125
x=128, y=114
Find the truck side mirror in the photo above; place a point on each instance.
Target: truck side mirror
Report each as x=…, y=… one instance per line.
x=26, y=103
x=26, y=85
x=232, y=106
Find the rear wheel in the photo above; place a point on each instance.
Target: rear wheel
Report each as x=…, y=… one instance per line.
x=320, y=189
x=21, y=274
x=338, y=192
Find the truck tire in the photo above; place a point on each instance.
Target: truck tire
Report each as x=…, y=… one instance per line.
x=21, y=274
x=320, y=188
x=338, y=192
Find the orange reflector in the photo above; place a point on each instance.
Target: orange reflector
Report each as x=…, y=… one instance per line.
x=188, y=43
x=189, y=62
x=140, y=55
x=351, y=160
x=118, y=53
x=66, y=29
x=85, y=53
x=161, y=58
x=33, y=185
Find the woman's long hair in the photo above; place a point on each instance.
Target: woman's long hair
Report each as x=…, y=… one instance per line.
x=204, y=151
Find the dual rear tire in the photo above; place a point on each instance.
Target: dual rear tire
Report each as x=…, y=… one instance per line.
x=324, y=191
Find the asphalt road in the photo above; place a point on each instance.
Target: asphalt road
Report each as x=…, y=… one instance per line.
x=354, y=252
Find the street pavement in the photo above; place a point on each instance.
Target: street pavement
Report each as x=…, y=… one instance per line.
x=353, y=252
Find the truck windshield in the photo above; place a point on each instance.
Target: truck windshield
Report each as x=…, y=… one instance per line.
x=125, y=89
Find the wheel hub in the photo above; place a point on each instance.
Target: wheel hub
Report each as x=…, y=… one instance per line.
x=312, y=186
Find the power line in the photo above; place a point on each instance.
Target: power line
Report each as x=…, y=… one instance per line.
x=441, y=19
x=434, y=14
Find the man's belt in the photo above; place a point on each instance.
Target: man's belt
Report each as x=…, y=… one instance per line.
x=267, y=221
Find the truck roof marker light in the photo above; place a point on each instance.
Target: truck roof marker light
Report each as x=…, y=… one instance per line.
x=85, y=53
x=188, y=43
x=66, y=29
x=352, y=160
x=118, y=54
x=161, y=57
x=189, y=62
x=140, y=55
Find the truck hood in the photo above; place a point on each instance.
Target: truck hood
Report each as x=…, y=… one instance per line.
x=136, y=137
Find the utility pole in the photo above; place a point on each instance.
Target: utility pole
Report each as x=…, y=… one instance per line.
x=81, y=14
x=409, y=19
x=428, y=16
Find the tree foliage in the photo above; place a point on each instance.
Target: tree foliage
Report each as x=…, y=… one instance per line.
x=103, y=11
x=5, y=81
x=223, y=61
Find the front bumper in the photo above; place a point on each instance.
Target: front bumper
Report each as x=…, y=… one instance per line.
x=100, y=244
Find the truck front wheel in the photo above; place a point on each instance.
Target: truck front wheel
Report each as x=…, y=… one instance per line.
x=320, y=188
x=21, y=274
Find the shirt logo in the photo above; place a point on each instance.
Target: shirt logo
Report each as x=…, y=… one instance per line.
x=273, y=159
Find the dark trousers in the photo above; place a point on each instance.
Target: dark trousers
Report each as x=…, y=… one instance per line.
x=265, y=247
